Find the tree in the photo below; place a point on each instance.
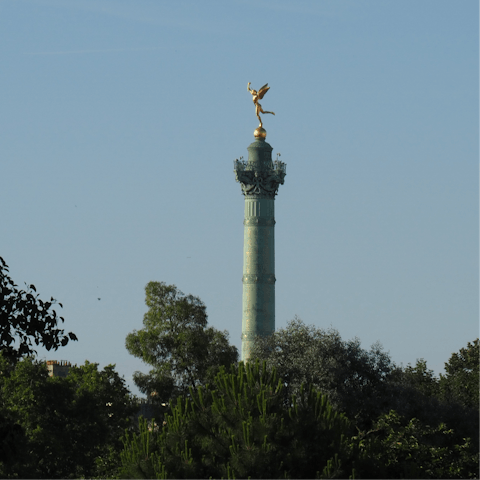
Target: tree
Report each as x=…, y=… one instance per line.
x=63, y=427
x=177, y=342
x=421, y=378
x=24, y=318
x=240, y=427
x=397, y=447
x=366, y=384
x=461, y=380
x=353, y=379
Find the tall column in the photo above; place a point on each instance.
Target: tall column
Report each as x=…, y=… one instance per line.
x=259, y=178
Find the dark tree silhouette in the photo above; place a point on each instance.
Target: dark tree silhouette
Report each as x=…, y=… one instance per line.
x=25, y=320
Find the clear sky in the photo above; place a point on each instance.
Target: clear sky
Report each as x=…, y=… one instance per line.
x=120, y=122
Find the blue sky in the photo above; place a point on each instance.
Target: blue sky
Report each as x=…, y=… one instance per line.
x=120, y=123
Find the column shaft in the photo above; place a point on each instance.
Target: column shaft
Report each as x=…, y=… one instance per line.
x=258, y=271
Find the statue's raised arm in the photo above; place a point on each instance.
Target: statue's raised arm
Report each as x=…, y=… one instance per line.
x=258, y=96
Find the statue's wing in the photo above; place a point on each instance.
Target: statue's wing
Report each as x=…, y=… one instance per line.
x=263, y=91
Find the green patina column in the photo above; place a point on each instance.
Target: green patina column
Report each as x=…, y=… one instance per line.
x=259, y=178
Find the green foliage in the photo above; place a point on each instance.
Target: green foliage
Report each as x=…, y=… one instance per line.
x=241, y=427
x=416, y=393
x=177, y=342
x=366, y=385
x=400, y=448
x=352, y=378
x=421, y=378
x=461, y=380
x=24, y=318
x=62, y=427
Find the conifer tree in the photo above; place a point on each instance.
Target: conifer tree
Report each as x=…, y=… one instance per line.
x=240, y=427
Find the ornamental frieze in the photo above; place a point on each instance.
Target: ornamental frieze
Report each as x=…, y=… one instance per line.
x=249, y=336
x=264, y=182
x=268, y=278
x=259, y=222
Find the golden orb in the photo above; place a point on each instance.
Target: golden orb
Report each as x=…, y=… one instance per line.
x=260, y=132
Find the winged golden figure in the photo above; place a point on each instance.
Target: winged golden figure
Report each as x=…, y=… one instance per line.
x=256, y=97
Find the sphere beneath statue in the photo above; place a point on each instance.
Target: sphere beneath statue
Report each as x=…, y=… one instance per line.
x=260, y=132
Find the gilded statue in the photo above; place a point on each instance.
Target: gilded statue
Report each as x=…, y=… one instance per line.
x=256, y=97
